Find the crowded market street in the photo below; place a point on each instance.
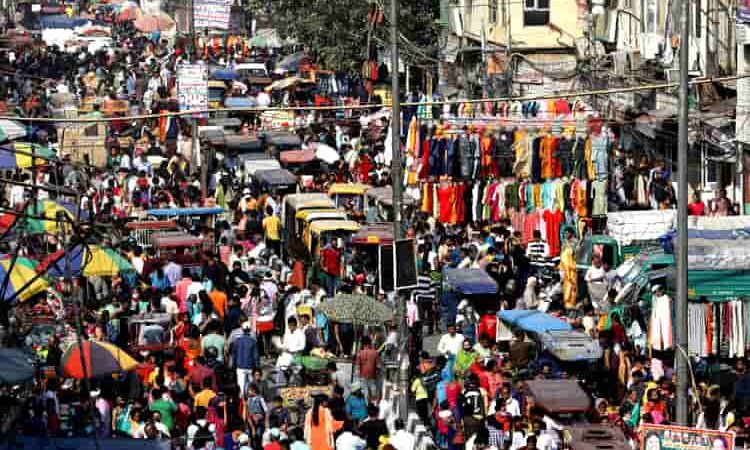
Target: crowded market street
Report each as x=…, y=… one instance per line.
x=211, y=240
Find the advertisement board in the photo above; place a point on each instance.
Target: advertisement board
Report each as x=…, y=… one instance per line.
x=212, y=14
x=669, y=437
x=192, y=86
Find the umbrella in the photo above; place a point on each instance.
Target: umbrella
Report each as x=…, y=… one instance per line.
x=149, y=24
x=42, y=217
x=356, y=309
x=101, y=358
x=96, y=261
x=325, y=153
x=129, y=12
x=22, y=281
x=15, y=366
x=10, y=130
x=265, y=38
x=285, y=83
x=18, y=155
x=291, y=63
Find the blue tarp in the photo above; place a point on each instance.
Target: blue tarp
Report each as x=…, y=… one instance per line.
x=89, y=444
x=171, y=212
x=533, y=321
x=224, y=75
x=739, y=233
x=470, y=281
x=62, y=21
x=239, y=102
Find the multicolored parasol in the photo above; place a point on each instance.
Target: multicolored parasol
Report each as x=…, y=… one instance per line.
x=17, y=155
x=42, y=217
x=22, y=280
x=96, y=261
x=101, y=358
x=11, y=130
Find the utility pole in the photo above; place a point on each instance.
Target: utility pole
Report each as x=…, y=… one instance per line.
x=681, y=329
x=484, y=60
x=194, y=122
x=403, y=363
x=508, y=49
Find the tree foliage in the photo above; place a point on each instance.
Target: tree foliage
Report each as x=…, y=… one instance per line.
x=335, y=32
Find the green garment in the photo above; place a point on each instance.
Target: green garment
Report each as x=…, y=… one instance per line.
x=464, y=360
x=167, y=409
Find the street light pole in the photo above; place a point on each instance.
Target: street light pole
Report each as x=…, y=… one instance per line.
x=403, y=362
x=681, y=328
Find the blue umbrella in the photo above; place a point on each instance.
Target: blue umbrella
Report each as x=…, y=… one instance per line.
x=224, y=75
x=15, y=366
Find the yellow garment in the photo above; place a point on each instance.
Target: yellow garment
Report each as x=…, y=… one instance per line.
x=590, y=172
x=272, y=228
x=537, y=194
x=426, y=199
x=420, y=393
x=570, y=277
x=559, y=202
x=523, y=155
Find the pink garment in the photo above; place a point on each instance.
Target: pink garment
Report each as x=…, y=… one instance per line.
x=412, y=313
x=530, y=225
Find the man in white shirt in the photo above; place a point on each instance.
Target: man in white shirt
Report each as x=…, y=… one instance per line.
x=402, y=439
x=292, y=343
x=546, y=439
x=263, y=99
x=451, y=342
x=347, y=440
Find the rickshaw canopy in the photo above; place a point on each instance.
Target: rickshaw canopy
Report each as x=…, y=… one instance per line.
x=178, y=240
x=348, y=188
x=177, y=212
x=533, y=321
x=311, y=200
x=302, y=215
x=559, y=396
x=297, y=156
x=470, y=281
x=376, y=234
x=324, y=226
x=316, y=215
x=152, y=225
x=384, y=195
x=275, y=177
x=284, y=140
x=243, y=144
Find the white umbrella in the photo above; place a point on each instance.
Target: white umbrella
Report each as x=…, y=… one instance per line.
x=10, y=130
x=326, y=153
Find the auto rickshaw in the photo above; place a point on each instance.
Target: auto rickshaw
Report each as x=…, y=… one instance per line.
x=189, y=216
x=143, y=231
x=216, y=91
x=350, y=196
x=182, y=248
x=378, y=204
x=280, y=142
x=323, y=232
x=276, y=181
x=475, y=285
x=293, y=205
x=300, y=162
x=365, y=245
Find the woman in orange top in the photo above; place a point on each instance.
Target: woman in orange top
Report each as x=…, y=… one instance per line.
x=319, y=426
x=190, y=345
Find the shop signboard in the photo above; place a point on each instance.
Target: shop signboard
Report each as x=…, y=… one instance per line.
x=192, y=87
x=212, y=14
x=669, y=437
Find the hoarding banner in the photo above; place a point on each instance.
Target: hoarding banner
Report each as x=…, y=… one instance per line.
x=668, y=437
x=213, y=14
x=192, y=86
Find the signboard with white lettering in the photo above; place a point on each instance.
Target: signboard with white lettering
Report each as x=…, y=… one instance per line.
x=212, y=14
x=192, y=86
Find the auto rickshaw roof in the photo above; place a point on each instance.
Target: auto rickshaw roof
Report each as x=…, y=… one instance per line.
x=559, y=396
x=173, y=212
x=374, y=234
x=323, y=226
x=297, y=156
x=309, y=200
x=310, y=214
x=285, y=139
x=173, y=241
x=275, y=177
x=470, y=281
x=348, y=188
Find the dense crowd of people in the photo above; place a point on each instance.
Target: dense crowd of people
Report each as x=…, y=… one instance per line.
x=222, y=343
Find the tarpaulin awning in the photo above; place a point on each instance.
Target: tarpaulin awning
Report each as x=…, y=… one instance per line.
x=470, y=281
x=559, y=396
x=534, y=321
x=172, y=212
x=62, y=21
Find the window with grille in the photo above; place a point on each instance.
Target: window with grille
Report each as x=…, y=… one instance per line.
x=536, y=12
x=493, y=11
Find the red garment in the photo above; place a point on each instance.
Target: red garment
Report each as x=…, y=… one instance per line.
x=530, y=225
x=697, y=209
x=330, y=260
x=452, y=391
x=553, y=220
x=424, y=169
x=488, y=326
x=460, y=205
x=562, y=107
x=445, y=205
x=484, y=380
x=365, y=166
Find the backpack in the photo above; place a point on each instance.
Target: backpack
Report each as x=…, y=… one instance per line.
x=430, y=381
x=473, y=403
x=203, y=435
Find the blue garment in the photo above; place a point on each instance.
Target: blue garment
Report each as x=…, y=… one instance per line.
x=530, y=207
x=160, y=283
x=440, y=394
x=356, y=407
x=600, y=156
x=245, y=352
x=447, y=373
x=449, y=305
x=548, y=194
x=321, y=321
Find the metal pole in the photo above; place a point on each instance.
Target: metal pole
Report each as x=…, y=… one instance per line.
x=194, y=121
x=508, y=51
x=681, y=328
x=484, y=60
x=403, y=373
